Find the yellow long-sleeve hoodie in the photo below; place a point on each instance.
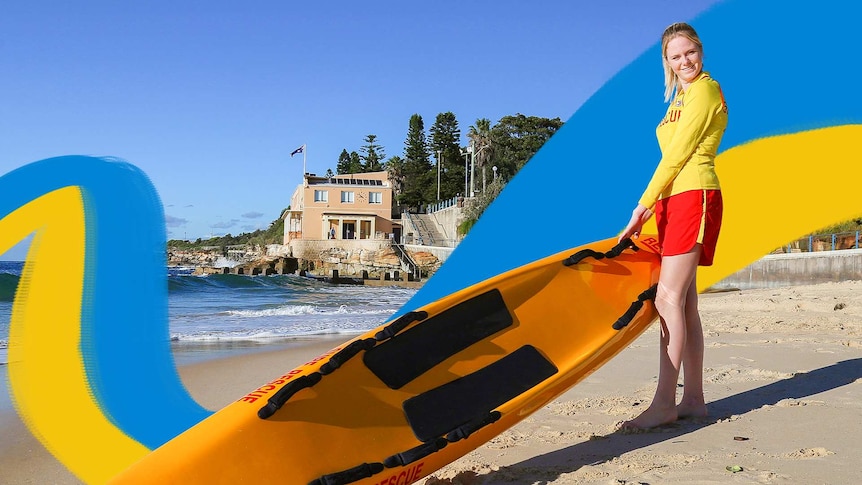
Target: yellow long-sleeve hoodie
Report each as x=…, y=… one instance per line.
x=688, y=136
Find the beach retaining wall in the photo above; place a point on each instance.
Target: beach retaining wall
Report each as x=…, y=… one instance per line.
x=777, y=270
x=448, y=219
x=441, y=253
x=311, y=249
x=353, y=257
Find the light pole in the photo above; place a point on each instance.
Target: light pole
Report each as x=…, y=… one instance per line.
x=476, y=154
x=466, y=152
x=494, y=168
x=472, y=150
x=439, y=154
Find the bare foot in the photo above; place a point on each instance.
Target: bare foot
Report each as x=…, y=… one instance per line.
x=691, y=410
x=653, y=416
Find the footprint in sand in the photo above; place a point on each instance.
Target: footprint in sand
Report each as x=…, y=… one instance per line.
x=507, y=439
x=806, y=453
x=728, y=374
x=789, y=402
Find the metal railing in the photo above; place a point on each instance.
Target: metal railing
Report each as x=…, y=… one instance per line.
x=419, y=223
x=440, y=205
x=446, y=243
x=823, y=242
x=407, y=263
x=416, y=235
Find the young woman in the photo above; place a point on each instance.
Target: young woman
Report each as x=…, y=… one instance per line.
x=685, y=196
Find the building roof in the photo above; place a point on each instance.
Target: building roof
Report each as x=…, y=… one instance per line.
x=368, y=179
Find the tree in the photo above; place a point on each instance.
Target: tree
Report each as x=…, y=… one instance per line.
x=480, y=135
x=517, y=138
x=355, y=165
x=273, y=235
x=372, y=155
x=343, y=166
x=476, y=206
x=416, y=166
x=395, y=168
x=329, y=173
x=445, y=138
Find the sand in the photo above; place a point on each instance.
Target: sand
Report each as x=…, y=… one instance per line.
x=783, y=381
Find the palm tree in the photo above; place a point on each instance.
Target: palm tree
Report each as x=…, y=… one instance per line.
x=480, y=135
x=395, y=168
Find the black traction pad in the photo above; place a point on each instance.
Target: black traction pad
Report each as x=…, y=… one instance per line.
x=411, y=353
x=440, y=410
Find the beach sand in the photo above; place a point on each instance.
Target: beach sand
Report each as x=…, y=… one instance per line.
x=783, y=381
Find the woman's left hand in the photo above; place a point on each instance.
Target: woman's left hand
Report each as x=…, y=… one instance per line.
x=639, y=216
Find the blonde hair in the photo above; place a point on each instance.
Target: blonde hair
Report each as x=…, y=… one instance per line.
x=671, y=81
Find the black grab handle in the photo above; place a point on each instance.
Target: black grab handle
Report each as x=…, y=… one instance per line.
x=285, y=393
x=629, y=315
x=612, y=253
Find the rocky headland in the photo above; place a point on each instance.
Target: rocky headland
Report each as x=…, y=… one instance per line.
x=380, y=263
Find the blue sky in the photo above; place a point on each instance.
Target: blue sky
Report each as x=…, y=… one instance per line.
x=210, y=98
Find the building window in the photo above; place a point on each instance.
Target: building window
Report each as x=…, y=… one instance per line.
x=347, y=196
x=321, y=196
x=375, y=197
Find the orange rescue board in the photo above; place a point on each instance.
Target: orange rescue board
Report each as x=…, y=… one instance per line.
x=405, y=399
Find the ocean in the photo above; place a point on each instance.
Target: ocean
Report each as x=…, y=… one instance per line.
x=217, y=315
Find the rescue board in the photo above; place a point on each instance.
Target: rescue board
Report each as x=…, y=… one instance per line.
x=405, y=399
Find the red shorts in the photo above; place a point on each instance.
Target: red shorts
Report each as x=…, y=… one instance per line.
x=692, y=217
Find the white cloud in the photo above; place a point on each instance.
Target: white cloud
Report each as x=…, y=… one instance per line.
x=171, y=221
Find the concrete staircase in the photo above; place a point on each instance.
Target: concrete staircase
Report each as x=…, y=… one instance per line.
x=429, y=231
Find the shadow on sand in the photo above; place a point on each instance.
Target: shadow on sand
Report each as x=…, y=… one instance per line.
x=548, y=467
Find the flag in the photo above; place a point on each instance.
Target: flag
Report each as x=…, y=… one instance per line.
x=298, y=150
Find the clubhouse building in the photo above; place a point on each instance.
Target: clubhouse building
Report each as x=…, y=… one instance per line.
x=350, y=206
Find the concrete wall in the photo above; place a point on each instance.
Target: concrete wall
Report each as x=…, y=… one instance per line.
x=440, y=253
x=311, y=248
x=277, y=250
x=776, y=270
x=448, y=220
x=407, y=227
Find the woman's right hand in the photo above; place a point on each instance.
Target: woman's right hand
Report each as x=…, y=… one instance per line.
x=639, y=216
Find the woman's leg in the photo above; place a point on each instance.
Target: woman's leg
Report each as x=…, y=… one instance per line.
x=676, y=277
x=692, y=403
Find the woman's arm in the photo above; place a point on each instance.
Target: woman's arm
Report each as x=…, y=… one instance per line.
x=702, y=102
x=633, y=229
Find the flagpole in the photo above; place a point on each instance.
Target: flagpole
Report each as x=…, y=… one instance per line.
x=301, y=149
